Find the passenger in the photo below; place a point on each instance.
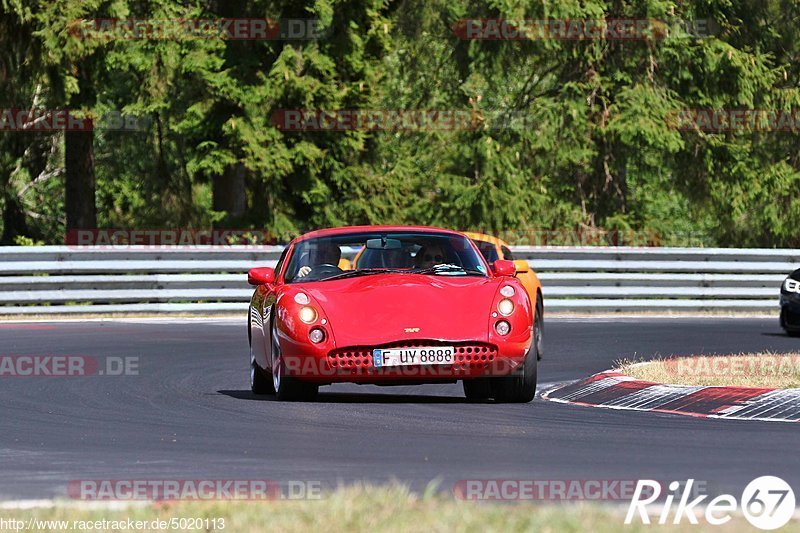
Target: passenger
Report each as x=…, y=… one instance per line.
x=428, y=256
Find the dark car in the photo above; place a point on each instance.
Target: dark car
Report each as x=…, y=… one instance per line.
x=790, y=304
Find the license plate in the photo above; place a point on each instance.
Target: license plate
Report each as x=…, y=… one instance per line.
x=435, y=355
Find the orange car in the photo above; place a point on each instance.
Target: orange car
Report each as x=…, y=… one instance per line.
x=493, y=249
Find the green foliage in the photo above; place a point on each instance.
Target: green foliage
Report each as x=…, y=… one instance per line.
x=21, y=240
x=574, y=135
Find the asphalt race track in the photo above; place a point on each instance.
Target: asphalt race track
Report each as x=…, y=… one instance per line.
x=188, y=414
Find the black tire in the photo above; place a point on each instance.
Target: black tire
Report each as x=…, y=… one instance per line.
x=521, y=387
x=288, y=388
x=478, y=389
x=260, y=379
x=540, y=315
x=792, y=332
x=789, y=332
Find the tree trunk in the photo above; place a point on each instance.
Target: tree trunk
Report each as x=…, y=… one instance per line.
x=79, y=199
x=230, y=191
x=14, y=223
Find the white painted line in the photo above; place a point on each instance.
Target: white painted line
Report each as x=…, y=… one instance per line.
x=652, y=397
x=71, y=504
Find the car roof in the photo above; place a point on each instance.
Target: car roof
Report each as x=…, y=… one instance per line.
x=344, y=230
x=483, y=237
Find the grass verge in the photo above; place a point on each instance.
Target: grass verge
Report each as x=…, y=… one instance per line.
x=367, y=509
x=768, y=370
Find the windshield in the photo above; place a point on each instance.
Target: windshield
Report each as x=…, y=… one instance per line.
x=398, y=252
x=488, y=250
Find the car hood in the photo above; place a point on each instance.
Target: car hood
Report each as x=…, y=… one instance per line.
x=385, y=308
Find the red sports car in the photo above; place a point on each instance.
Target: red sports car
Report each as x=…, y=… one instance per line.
x=422, y=306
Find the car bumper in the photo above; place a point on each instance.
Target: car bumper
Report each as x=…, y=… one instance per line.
x=355, y=364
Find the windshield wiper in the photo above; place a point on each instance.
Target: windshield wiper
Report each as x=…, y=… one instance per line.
x=360, y=272
x=447, y=268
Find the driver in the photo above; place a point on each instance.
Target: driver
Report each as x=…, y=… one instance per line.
x=325, y=254
x=428, y=256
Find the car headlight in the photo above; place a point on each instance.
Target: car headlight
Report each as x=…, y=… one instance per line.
x=316, y=335
x=502, y=327
x=308, y=314
x=505, y=306
x=791, y=285
x=507, y=291
x=301, y=298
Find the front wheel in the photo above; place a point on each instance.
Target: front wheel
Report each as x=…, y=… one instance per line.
x=521, y=388
x=288, y=388
x=477, y=389
x=785, y=325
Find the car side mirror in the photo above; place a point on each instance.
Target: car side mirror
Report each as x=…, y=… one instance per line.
x=504, y=267
x=261, y=276
x=521, y=265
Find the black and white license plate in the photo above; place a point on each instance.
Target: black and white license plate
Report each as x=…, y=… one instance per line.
x=434, y=355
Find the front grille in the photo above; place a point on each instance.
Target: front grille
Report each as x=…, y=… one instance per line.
x=468, y=355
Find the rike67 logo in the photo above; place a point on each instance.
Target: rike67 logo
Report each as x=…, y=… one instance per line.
x=767, y=503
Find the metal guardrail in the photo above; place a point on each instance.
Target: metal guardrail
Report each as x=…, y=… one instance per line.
x=70, y=280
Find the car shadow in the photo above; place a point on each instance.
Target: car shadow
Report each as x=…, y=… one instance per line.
x=354, y=397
